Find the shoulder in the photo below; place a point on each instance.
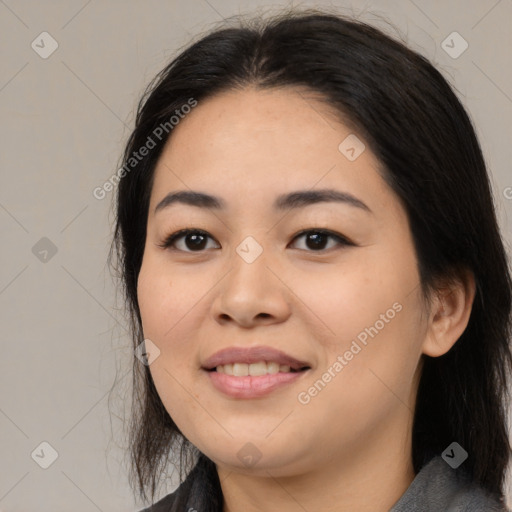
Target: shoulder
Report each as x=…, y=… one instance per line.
x=437, y=487
x=473, y=498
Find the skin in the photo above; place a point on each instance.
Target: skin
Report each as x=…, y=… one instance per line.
x=349, y=448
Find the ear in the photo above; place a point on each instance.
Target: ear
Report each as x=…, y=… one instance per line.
x=449, y=314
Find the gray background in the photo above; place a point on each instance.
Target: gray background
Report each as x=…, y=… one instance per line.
x=64, y=121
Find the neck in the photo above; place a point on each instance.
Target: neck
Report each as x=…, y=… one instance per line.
x=371, y=477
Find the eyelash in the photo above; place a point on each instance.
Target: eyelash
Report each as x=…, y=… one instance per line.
x=171, y=239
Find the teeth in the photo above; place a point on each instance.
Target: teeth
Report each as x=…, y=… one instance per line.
x=254, y=369
x=240, y=370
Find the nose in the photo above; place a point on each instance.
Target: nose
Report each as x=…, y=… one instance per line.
x=251, y=294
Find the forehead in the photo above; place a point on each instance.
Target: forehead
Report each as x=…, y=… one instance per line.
x=249, y=144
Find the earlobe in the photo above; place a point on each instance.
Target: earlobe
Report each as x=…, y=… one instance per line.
x=450, y=314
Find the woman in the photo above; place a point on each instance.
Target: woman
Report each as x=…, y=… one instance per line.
x=319, y=293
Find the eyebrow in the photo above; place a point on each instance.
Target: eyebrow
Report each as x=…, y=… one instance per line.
x=289, y=201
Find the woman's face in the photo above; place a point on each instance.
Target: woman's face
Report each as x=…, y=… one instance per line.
x=351, y=312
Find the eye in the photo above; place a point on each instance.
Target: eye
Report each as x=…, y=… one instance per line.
x=195, y=239
x=317, y=238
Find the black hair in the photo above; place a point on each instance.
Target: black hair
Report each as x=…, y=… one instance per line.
x=422, y=136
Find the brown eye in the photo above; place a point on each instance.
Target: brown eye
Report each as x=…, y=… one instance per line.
x=194, y=240
x=317, y=239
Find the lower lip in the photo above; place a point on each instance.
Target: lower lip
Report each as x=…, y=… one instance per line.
x=252, y=387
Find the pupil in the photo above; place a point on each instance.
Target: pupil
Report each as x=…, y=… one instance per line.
x=315, y=237
x=198, y=243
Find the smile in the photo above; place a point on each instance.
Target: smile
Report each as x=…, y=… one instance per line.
x=254, y=369
x=252, y=386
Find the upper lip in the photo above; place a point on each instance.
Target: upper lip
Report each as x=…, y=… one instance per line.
x=250, y=355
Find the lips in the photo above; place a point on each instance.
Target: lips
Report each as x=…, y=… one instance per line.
x=252, y=355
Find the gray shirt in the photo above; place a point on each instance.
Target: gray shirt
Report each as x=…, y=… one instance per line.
x=436, y=488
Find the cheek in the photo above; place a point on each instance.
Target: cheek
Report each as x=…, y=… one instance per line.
x=172, y=313
x=164, y=298
x=352, y=304
x=374, y=340
x=364, y=385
